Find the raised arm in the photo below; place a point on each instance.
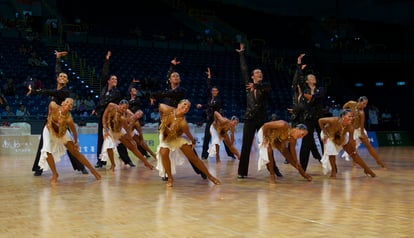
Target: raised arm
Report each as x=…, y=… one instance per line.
x=173, y=65
x=58, y=65
x=243, y=64
x=105, y=68
x=298, y=80
x=208, y=72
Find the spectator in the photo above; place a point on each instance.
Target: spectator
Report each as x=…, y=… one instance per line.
x=336, y=110
x=22, y=112
x=386, y=118
x=89, y=103
x=155, y=115
x=7, y=113
x=373, y=116
x=3, y=100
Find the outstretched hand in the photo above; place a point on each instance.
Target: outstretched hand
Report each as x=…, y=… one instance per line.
x=175, y=61
x=241, y=48
x=108, y=55
x=30, y=90
x=208, y=72
x=59, y=54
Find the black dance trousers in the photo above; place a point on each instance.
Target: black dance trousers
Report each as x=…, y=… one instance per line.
x=249, y=130
x=123, y=153
x=309, y=145
x=100, y=138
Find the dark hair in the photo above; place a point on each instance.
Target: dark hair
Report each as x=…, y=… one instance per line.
x=301, y=126
x=252, y=72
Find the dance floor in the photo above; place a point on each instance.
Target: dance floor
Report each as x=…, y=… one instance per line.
x=135, y=202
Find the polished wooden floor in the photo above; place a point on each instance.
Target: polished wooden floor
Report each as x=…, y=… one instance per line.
x=134, y=202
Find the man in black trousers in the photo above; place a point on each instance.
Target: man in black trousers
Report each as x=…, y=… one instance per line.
x=213, y=104
x=57, y=95
x=109, y=93
x=308, y=110
x=257, y=94
x=173, y=94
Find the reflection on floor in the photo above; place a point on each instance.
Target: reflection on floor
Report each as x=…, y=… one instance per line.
x=135, y=202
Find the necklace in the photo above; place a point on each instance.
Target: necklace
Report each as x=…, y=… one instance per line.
x=175, y=118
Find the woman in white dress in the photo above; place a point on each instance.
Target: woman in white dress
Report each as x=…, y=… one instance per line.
x=222, y=129
x=176, y=141
x=281, y=136
x=57, y=139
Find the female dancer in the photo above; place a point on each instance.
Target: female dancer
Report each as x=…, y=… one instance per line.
x=360, y=134
x=56, y=137
x=338, y=134
x=173, y=143
x=219, y=130
x=281, y=136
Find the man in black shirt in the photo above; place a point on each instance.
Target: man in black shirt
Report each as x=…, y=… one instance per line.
x=109, y=93
x=172, y=95
x=57, y=95
x=257, y=93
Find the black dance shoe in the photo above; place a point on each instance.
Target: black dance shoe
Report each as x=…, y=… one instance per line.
x=38, y=172
x=131, y=164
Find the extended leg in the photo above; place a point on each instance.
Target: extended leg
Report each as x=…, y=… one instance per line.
x=51, y=162
x=192, y=157
x=132, y=146
x=355, y=156
x=82, y=159
x=372, y=151
x=271, y=164
x=166, y=163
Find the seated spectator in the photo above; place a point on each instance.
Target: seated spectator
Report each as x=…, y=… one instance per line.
x=373, y=114
x=155, y=115
x=3, y=100
x=36, y=61
x=7, y=113
x=336, y=110
x=22, y=112
x=82, y=109
x=89, y=103
x=386, y=118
